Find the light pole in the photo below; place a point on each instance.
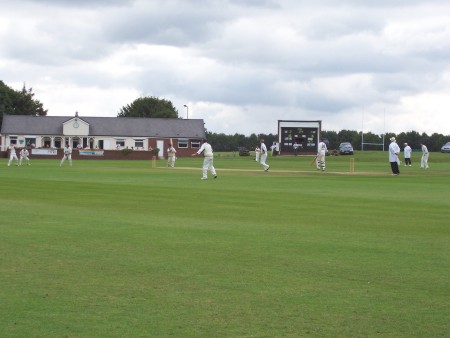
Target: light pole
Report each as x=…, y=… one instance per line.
x=187, y=112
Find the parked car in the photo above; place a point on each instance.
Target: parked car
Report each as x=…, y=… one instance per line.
x=243, y=151
x=446, y=148
x=345, y=148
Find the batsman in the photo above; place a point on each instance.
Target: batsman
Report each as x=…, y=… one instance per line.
x=321, y=153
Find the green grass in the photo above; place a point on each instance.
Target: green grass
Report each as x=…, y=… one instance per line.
x=121, y=249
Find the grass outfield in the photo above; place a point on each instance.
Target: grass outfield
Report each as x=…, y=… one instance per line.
x=121, y=249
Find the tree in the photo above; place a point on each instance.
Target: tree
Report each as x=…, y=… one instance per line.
x=13, y=102
x=253, y=141
x=332, y=137
x=413, y=139
x=25, y=103
x=6, y=100
x=149, y=107
x=376, y=141
x=351, y=136
x=436, y=141
x=222, y=142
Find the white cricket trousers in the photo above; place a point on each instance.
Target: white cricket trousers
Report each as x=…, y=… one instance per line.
x=68, y=157
x=424, y=161
x=263, y=161
x=208, y=165
x=171, y=161
x=321, y=162
x=12, y=157
x=24, y=158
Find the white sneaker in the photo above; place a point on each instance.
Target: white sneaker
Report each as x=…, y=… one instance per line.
x=204, y=178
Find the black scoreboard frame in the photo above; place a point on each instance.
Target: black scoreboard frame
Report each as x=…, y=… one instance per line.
x=305, y=133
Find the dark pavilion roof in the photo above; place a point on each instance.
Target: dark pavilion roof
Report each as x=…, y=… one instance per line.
x=105, y=126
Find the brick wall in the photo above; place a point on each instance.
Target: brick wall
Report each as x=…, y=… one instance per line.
x=107, y=155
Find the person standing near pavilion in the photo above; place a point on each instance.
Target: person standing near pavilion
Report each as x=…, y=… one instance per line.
x=24, y=153
x=171, y=152
x=67, y=155
x=12, y=154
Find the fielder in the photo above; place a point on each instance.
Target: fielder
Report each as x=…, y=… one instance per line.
x=171, y=156
x=208, y=160
x=425, y=154
x=12, y=154
x=24, y=156
x=321, y=153
x=257, y=153
x=264, y=156
x=67, y=155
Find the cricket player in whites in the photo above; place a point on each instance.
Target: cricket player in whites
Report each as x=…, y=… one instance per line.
x=207, y=151
x=257, y=153
x=24, y=156
x=171, y=156
x=321, y=153
x=424, y=159
x=12, y=154
x=264, y=155
x=67, y=155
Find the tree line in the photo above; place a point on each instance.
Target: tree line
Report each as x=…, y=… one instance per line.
x=22, y=102
x=222, y=142
x=434, y=142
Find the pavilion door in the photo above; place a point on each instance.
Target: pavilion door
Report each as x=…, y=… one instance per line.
x=160, y=146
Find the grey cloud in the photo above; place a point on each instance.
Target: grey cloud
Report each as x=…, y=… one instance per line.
x=268, y=56
x=80, y=3
x=170, y=24
x=330, y=27
x=257, y=3
x=367, y=3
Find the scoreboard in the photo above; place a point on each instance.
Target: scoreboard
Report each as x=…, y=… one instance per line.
x=303, y=135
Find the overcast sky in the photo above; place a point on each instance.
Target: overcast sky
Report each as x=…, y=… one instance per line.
x=241, y=65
